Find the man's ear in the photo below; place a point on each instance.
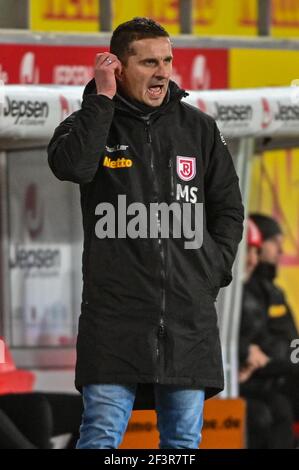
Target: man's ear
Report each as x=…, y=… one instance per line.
x=119, y=73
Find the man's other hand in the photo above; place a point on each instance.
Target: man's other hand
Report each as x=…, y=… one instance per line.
x=256, y=357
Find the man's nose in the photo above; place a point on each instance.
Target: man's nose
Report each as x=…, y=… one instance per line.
x=163, y=70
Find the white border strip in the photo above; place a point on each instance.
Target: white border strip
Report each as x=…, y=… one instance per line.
x=32, y=112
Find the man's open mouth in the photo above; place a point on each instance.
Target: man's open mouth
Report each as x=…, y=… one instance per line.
x=155, y=90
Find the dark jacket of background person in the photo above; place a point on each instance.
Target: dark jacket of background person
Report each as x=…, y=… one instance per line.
x=267, y=321
x=272, y=390
x=148, y=312
x=30, y=420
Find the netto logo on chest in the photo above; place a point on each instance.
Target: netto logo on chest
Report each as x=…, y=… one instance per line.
x=121, y=162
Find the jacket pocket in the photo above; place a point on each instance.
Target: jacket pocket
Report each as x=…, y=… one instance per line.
x=104, y=262
x=215, y=265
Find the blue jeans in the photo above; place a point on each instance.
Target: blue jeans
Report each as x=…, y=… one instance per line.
x=108, y=407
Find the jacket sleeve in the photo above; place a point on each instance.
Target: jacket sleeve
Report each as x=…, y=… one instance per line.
x=253, y=323
x=224, y=208
x=75, y=148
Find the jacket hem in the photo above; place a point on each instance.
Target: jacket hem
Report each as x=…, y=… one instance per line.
x=211, y=387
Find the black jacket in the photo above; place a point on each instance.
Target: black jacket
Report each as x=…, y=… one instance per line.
x=267, y=321
x=148, y=313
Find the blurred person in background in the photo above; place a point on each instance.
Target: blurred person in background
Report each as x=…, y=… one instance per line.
x=30, y=419
x=251, y=356
x=280, y=317
x=258, y=414
x=267, y=324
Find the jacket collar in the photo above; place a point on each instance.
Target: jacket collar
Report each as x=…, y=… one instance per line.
x=174, y=94
x=141, y=109
x=265, y=271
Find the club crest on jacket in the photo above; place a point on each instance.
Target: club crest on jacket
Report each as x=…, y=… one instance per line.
x=186, y=167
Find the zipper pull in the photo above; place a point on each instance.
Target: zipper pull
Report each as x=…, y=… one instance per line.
x=148, y=133
x=161, y=327
x=170, y=166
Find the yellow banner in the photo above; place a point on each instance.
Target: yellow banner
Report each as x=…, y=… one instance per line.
x=210, y=17
x=166, y=12
x=225, y=17
x=214, y=17
x=259, y=67
x=239, y=17
x=285, y=18
x=64, y=15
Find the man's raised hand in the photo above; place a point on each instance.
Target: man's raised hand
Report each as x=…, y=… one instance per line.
x=106, y=65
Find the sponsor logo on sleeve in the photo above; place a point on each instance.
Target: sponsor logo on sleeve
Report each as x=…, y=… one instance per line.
x=222, y=138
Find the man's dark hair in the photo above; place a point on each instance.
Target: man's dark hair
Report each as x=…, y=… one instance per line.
x=267, y=225
x=133, y=30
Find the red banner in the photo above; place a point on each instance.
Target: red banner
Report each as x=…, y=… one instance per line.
x=73, y=65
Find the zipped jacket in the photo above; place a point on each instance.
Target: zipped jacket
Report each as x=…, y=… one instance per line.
x=148, y=304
